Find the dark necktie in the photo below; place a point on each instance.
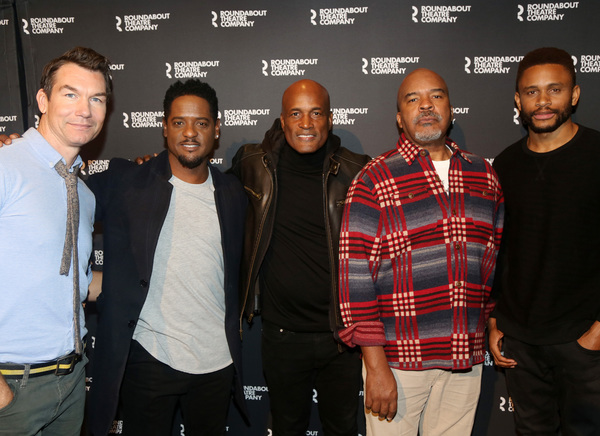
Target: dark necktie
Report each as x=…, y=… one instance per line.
x=71, y=244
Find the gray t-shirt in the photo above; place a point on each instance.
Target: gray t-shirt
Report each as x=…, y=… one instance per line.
x=182, y=322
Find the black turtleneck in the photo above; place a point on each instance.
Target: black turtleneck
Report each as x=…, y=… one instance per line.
x=295, y=274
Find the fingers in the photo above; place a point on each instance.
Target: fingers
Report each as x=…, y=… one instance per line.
x=141, y=159
x=5, y=140
x=499, y=359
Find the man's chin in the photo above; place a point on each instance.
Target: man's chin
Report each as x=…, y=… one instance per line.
x=191, y=163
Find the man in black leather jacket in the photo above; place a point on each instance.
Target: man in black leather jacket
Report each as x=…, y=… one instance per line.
x=296, y=181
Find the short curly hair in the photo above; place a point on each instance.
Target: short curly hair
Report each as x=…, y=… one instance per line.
x=543, y=56
x=191, y=87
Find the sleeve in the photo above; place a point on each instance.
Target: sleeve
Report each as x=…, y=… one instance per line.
x=495, y=279
x=360, y=253
x=236, y=163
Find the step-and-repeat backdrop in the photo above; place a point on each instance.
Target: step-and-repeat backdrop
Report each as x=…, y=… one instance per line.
x=251, y=50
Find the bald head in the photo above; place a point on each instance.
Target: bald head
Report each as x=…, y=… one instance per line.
x=419, y=78
x=306, y=116
x=424, y=111
x=306, y=87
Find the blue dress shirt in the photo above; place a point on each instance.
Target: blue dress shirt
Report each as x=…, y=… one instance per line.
x=36, y=302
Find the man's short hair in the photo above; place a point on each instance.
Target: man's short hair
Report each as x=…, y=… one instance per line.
x=83, y=57
x=543, y=56
x=193, y=87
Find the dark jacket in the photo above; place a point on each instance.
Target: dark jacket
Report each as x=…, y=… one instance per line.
x=256, y=166
x=132, y=203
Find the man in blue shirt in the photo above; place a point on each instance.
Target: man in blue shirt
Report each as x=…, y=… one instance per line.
x=43, y=273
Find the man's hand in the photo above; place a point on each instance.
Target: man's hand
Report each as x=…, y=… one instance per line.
x=381, y=392
x=7, y=140
x=590, y=340
x=6, y=393
x=141, y=159
x=495, y=340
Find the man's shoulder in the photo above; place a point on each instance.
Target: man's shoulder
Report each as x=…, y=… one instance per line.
x=250, y=150
x=224, y=178
x=352, y=157
x=508, y=154
x=590, y=134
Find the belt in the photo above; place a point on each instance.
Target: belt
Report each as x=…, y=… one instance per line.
x=61, y=366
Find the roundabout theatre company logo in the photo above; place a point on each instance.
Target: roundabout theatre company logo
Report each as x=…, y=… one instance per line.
x=388, y=65
x=236, y=18
x=189, y=69
x=139, y=23
x=46, y=25
x=490, y=64
x=335, y=16
x=438, y=14
x=544, y=11
x=287, y=67
x=142, y=120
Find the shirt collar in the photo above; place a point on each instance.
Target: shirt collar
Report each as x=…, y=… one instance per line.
x=45, y=151
x=410, y=151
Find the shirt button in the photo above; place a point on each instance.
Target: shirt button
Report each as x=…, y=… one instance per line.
x=143, y=283
x=437, y=178
x=423, y=153
x=458, y=284
x=454, y=212
x=131, y=323
x=485, y=193
x=457, y=246
x=411, y=195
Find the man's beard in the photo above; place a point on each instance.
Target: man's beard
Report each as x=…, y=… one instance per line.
x=191, y=163
x=431, y=136
x=562, y=115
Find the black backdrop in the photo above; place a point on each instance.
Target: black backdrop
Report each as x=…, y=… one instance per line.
x=251, y=50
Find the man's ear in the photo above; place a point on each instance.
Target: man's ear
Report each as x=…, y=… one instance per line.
x=42, y=100
x=518, y=101
x=575, y=95
x=217, y=128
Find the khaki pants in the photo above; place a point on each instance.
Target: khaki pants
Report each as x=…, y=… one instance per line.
x=432, y=402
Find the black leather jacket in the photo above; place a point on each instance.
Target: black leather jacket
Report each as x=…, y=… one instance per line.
x=256, y=166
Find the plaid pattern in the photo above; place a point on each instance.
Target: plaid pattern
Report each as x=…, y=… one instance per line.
x=417, y=264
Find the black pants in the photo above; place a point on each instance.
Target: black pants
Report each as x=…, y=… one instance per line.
x=554, y=387
x=151, y=392
x=296, y=363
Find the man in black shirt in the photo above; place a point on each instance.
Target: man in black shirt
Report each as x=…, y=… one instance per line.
x=296, y=182
x=548, y=277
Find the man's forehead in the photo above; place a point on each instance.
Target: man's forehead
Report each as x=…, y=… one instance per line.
x=71, y=75
x=306, y=97
x=422, y=84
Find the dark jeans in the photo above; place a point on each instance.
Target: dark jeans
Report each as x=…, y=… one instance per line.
x=296, y=363
x=151, y=392
x=554, y=387
x=49, y=404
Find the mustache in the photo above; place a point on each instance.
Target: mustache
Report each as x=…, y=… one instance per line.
x=427, y=114
x=545, y=110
